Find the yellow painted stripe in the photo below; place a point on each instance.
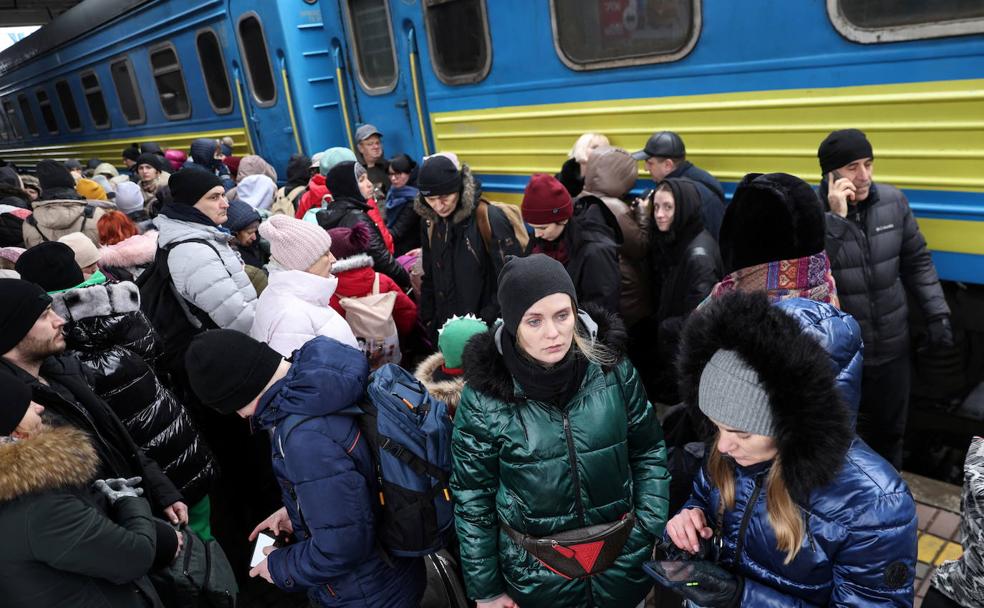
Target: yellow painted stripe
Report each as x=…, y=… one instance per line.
x=110, y=150
x=927, y=135
x=958, y=236
x=929, y=547
x=950, y=551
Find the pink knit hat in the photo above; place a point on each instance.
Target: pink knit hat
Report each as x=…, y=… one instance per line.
x=295, y=244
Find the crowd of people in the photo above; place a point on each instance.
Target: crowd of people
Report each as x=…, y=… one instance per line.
x=674, y=390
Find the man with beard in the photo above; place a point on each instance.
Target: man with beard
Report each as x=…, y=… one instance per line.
x=32, y=344
x=876, y=253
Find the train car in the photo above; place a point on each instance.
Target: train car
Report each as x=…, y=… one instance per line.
x=510, y=84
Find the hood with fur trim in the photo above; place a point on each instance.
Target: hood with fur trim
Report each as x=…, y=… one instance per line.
x=55, y=458
x=137, y=250
x=449, y=390
x=486, y=372
x=812, y=426
x=354, y=262
x=471, y=193
x=96, y=301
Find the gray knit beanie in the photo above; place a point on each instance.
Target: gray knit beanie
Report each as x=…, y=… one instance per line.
x=731, y=393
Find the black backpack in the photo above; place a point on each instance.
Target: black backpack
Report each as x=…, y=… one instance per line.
x=200, y=577
x=176, y=320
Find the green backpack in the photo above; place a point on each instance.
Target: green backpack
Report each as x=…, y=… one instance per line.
x=200, y=577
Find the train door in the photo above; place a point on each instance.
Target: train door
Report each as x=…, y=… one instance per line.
x=379, y=87
x=263, y=99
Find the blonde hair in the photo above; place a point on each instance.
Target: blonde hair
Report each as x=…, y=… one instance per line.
x=594, y=351
x=584, y=144
x=784, y=514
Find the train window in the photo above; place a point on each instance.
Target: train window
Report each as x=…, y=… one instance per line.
x=67, y=101
x=870, y=21
x=126, y=90
x=372, y=41
x=170, y=83
x=459, y=54
x=94, y=99
x=259, y=72
x=11, y=113
x=25, y=108
x=214, y=71
x=590, y=35
x=47, y=112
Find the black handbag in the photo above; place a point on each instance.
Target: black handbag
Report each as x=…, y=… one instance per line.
x=578, y=553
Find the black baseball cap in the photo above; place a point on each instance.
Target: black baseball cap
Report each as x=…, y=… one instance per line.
x=666, y=144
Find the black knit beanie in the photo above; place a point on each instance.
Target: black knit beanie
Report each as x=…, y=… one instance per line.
x=21, y=304
x=51, y=265
x=438, y=176
x=53, y=174
x=525, y=281
x=843, y=147
x=16, y=400
x=227, y=369
x=342, y=181
x=190, y=184
x=131, y=152
x=149, y=158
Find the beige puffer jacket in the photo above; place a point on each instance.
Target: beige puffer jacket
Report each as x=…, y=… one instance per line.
x=53, y=219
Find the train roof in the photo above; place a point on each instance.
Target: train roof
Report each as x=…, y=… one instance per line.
x=73, y=23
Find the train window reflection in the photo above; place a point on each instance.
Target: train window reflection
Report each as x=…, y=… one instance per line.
x=11, y=113
x=214, y=71
x=372, y=36
x=589, y=34
x=126, y=89
x=47, y=112
x=170, y=83
x=94, y=99
x=458, y=38
x=25, y=108
x=67, y=102
x=252, y=42
x=873, y=21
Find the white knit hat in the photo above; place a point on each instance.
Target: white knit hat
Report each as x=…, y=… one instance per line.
x=295, y=244
x=85, y=250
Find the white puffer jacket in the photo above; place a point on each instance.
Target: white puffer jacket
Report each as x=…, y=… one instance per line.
x=218, y=286
x=294, y=308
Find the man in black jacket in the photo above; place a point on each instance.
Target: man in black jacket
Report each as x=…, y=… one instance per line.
x=666, y=156
x=875, y=249
x=32, y=343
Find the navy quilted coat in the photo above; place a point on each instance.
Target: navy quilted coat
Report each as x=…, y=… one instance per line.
x=325, y=472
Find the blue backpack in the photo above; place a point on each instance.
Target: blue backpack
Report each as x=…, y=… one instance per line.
x=409, y=433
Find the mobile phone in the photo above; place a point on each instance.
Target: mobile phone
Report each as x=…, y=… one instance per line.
x=836, y=174
x=671, y=573
x=263, y=540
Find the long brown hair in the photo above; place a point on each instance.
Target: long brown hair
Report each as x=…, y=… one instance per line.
x=784, y=514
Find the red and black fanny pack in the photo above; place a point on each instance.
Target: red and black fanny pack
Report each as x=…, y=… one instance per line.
x=578, y=553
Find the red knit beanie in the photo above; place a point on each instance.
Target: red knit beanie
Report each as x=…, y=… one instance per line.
x=546, y=201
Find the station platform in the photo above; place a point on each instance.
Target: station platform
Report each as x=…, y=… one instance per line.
x=938, y=509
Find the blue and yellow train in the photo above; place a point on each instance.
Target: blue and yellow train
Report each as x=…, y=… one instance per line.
x=510, y=84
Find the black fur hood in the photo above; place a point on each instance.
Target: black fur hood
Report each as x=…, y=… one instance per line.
x=812, y=424
x=471, y=193
x=486, y=372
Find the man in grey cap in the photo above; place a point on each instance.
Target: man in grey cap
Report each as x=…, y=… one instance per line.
x=666, y=156
x=369, y=142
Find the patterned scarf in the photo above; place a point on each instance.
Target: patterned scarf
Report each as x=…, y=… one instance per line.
x=807, y=277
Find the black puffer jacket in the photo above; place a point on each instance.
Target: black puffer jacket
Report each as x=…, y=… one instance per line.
x=117, y=346
x=873, y=252
x=460, y=276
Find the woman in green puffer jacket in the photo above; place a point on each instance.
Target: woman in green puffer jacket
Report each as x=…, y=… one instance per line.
x=554, y=434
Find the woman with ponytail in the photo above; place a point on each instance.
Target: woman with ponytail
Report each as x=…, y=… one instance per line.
x=791, y=508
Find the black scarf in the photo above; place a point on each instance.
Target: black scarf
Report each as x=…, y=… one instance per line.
x=186, y=213
x=555, y=385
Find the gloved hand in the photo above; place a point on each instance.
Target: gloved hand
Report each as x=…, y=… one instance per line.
x=940, y=333
x=702, y=582
x=115, y=489
x=665, y=550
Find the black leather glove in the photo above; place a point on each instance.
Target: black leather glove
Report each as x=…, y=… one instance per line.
x=940, y=333
x=702, y=582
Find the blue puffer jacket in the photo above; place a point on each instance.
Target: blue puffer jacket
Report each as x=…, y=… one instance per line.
x=860, y=536
x=325, y=470
x=840, y=336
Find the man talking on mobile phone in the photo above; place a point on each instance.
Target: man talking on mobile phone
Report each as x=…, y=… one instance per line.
x=876, y=252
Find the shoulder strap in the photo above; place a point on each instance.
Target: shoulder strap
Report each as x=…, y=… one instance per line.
x=282, y=437
x=295, y=192
x=484, y=227
x=87, y=213
x=33, y=222
x=375, y=284
x=171, y=246
x=430, y=232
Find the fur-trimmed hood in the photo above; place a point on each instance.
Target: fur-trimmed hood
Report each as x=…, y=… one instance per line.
x=448, y=391
x=812, y=426
x=354, y=262
x=486, y=372
x=471, y=193
x=55, y=458
x=96, y=301
x=137, y=250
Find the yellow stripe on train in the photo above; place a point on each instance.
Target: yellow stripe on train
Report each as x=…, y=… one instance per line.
x=926, y=135
x=110, y=150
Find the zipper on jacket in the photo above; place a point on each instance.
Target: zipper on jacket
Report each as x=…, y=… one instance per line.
x=746, y=517
x=187, y=557
x=866, y=262
x=572, y=456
